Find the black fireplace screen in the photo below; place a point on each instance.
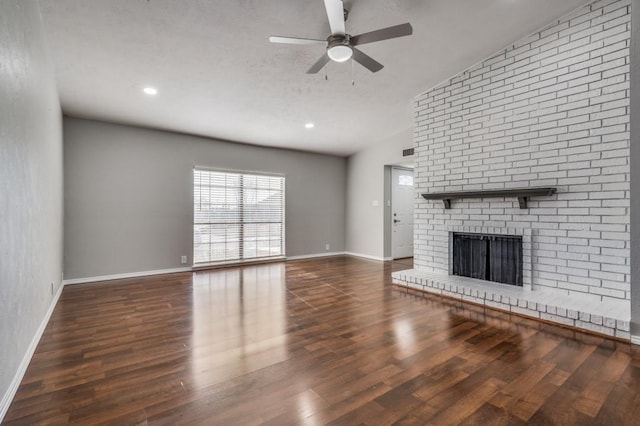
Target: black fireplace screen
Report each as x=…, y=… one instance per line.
x=495, y=258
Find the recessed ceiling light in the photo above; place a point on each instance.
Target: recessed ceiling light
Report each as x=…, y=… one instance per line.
x=309, y=125
x=150, y=91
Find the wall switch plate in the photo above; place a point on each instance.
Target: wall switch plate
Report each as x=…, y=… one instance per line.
x=375, y=203
x=183, y=259
x=327, y=247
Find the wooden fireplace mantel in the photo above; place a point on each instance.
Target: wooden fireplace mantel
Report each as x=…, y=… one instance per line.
x=522, y=194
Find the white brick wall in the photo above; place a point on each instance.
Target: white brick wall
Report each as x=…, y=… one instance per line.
x=550, y=110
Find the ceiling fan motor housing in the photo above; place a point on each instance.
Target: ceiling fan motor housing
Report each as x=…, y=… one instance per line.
x=339, y=47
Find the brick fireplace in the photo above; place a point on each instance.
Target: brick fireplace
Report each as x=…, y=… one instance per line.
x=551, y=110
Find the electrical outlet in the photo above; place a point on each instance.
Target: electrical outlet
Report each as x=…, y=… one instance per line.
x=327, y=247
x=183, y=259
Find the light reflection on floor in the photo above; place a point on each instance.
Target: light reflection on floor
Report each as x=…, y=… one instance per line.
x=404, y=337
x=237, y=313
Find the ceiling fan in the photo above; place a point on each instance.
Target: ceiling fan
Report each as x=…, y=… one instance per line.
x=342, y=46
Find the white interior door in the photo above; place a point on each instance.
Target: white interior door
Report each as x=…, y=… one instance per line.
x=401, y=213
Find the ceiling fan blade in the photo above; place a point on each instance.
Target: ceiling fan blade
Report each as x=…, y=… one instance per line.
x=335, y=13
x=383, y=34
x=319, y=64
x=295, y=40
x=366, y=61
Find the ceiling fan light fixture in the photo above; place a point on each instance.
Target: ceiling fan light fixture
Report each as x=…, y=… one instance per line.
x=340, y=53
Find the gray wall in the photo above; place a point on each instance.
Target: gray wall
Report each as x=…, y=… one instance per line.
x=635, y=171
x=30, y=186
x=366, y=184
x=128, y=196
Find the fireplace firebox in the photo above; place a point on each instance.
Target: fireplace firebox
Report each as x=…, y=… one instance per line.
x=496, y=258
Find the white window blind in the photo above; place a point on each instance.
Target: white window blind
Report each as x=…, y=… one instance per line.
x=237, y=216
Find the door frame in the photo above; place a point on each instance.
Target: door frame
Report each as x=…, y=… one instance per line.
x=388, y=206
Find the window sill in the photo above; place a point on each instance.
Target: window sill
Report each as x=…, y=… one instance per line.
x=224, y=264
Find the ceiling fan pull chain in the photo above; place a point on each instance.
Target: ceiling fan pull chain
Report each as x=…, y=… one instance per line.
x=353, y=81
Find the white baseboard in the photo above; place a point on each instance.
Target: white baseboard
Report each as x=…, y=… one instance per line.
x=190, y=269
x=8, y=396
x=127, y=275
x=635, y=340
x=365, y=256
x=311, y=256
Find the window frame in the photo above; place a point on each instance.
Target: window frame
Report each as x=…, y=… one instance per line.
x=241, y=259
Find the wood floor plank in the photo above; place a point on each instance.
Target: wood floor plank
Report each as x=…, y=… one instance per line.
x=468, y=403
x=320, y=341
x=525, y=407
x=488, y=414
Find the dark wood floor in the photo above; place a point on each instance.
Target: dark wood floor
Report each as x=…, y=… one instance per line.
x=312, y=342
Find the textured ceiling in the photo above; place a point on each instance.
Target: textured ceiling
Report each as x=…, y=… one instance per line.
x=218, y=75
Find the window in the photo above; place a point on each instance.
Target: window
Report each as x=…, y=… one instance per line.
x=405, y=180
x=237, y=216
